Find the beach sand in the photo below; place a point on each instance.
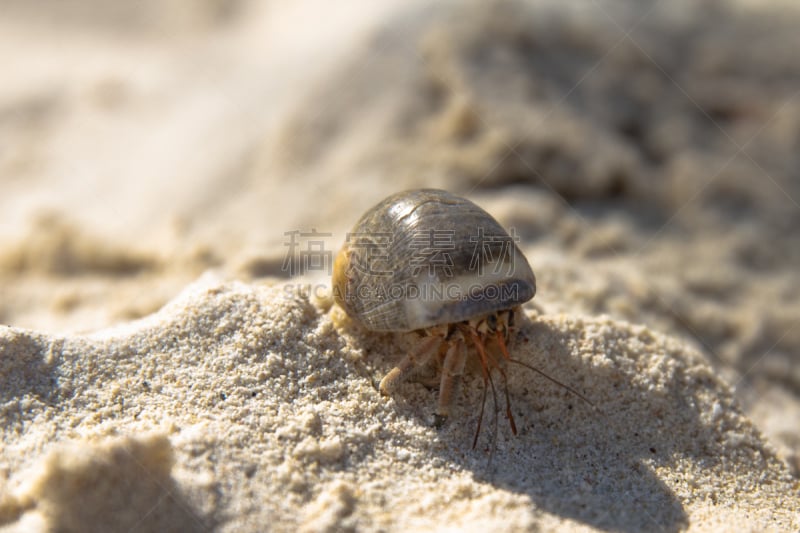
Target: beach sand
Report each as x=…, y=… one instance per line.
x=167, y=364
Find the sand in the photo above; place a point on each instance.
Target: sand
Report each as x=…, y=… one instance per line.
x=160, y=370
x=242, y=405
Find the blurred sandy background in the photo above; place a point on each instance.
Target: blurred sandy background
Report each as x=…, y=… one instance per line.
x=647, y=153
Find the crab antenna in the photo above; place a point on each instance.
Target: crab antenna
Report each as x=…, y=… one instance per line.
x=481, y=353
x=486, y=377
x=480, y=416
x=487, y=362
x=502, y=342
x=554, y=380
x=509, y=415
x=503, y=374
x=494, y=425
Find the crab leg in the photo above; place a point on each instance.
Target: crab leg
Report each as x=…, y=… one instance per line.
x=452, y=371
x=426, y=349
x=502, y=342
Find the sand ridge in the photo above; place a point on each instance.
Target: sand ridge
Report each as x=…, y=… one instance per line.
x=238, y=404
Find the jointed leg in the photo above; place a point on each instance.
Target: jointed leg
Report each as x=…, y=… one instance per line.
x=452, y=372
x=426, y=349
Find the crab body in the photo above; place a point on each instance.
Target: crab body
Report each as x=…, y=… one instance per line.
x=429, y=261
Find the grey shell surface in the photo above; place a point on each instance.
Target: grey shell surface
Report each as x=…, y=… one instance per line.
x=426, y=257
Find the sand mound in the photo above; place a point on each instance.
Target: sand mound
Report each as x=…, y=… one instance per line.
x=268, y=412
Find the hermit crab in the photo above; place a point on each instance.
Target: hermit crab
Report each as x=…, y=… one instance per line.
x=432, y=262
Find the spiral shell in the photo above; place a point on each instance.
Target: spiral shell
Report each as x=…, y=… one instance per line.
x=427, y=257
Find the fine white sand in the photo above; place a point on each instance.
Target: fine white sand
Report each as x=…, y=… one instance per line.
x=238, y=406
